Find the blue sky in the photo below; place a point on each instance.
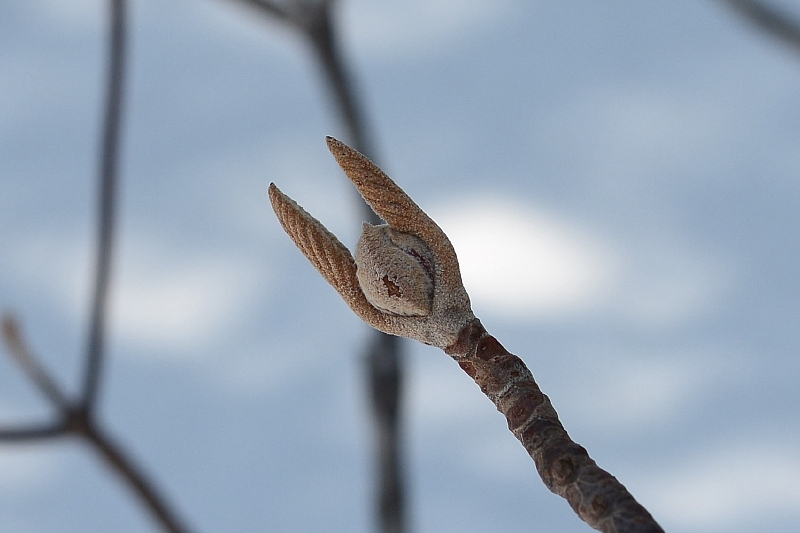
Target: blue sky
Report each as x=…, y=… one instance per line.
x=620, y=181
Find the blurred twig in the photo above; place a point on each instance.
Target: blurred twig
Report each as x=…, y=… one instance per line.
x=25, y=359
x=314, y=20
x=32, y=432
x=384, y=364
x=73, y=418
x=385, y=375
x=77, y=417
x=107, y=201
x=769, y=19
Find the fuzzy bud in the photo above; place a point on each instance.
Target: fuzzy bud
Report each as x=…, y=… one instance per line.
x=395, y=271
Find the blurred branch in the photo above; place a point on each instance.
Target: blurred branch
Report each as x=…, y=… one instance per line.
x=384, y=364
x=30, y=366
x=322, y=33
x=107, y=201
x=130, y=472
x=314, y=19
x=769, y=20
x=385, y=378
x=77, y=418
x=271, y=8
x=33, y=432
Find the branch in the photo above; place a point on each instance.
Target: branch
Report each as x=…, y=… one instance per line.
x=78, y=417
x=106, y=200
x=81, y=423
x=565, y=467
x=30, y=365
x=270, y=8
x=385, y=376
x=397, y=263
x=80, y=420
x=769, y=19
x=33, y=432
x=320, y=27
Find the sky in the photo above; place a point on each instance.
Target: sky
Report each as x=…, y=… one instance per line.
x=619, y=180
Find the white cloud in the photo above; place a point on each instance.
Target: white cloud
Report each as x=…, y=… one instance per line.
x=523, y=262
x=727, y=487
x=162, y=295
x=54, y=266
x=180, y=300
x=440, y=395
x=25, y=468
x=416, y=27
x=666, y=284
x=517, y=260
x=641, y=391
x=78, y=14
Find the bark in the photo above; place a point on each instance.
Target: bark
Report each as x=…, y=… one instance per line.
x=565, y=467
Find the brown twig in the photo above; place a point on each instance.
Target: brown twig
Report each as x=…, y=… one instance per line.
x=769, y=19
x=414, y=254
x=564, y=466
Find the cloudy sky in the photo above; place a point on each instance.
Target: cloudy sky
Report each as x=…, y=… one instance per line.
x=621, y=181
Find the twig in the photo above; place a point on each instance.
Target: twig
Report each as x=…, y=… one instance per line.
x=128, y=471
x=270, y=8
x=76, y=419
x=405, y=280
x=36, y=372
x=33, y=432
x=107, y=201
x=769, y=19
x=384, y=365
x=314, y=20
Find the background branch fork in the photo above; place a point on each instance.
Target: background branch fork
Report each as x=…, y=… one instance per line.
x=383, y=362
x=78, y=417
x=74, y=418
